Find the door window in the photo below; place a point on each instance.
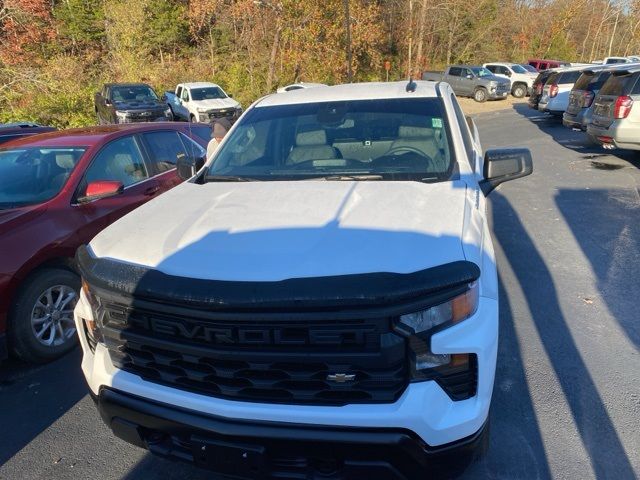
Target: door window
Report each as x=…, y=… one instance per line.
x=455, y=71
x=165, y=148
x=178, y=92
x=492, y=68
x=119, y=161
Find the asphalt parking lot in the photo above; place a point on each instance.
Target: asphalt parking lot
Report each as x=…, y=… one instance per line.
x=567, y=393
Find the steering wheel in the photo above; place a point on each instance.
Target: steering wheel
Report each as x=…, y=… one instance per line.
x=406, y=149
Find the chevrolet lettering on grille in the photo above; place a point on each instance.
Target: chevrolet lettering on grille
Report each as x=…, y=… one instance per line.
x=249, y=335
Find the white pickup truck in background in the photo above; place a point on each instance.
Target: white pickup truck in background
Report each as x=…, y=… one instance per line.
x=521, y=78
x=202, y=102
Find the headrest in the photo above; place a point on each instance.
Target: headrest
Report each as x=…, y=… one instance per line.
x=65, y=161
x=410, y=131
x=311, y=137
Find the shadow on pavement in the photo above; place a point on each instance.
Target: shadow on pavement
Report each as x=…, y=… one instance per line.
x=613, y=248
x=33, y=397
x=598, y=434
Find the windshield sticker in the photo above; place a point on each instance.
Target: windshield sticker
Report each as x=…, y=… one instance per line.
x=436, y=122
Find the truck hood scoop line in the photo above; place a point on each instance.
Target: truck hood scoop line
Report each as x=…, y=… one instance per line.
x=320, y=293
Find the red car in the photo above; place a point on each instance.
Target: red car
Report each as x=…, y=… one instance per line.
x=58, y=190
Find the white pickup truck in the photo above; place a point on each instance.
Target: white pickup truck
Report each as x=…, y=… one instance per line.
x=318, y=300
x=202, y=102
x=521, y=79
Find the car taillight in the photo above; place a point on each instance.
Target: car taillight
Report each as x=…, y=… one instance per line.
x=587, y=99
x=553, y=90
x=622, y=107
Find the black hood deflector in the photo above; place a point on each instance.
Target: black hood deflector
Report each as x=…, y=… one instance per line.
x=324, y=293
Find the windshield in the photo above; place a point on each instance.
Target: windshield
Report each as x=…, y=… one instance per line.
x=207, y=93
x=140, y=93
x=362, y=139
x=481, y=72
x=32, y=175
x=519, y=69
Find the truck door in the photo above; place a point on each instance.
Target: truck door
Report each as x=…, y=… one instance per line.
x=466, y=80
x=452, y=77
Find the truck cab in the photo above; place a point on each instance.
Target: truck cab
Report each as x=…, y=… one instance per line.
x=203, y=102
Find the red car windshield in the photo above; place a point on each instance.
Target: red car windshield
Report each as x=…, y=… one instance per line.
x=31, y=175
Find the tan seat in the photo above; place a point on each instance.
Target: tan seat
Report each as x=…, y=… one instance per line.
x=311, y=145
x=418, y=138
x=122, y=168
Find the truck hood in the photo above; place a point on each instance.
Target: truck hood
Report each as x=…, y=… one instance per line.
x=272, y=231
x=140, y=105
x=497, y=79
x=216, y=103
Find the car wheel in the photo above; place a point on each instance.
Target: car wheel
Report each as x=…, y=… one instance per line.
x=519, y=90
x=41, y=325
x=480, y=95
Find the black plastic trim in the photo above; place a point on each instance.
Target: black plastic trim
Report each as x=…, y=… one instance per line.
x=325, y=293
x=149, y=424
x=4, y=349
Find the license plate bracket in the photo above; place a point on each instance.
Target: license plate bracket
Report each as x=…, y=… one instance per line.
x=239, y=459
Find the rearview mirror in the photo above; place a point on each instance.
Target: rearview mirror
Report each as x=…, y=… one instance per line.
x=188, y=166
x=504, y=164
x=101, y=189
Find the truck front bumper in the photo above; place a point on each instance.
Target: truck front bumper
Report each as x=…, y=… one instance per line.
x=277, y=450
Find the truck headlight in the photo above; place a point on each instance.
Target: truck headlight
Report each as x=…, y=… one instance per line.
x=418, y=327
x=91, y=330
x=201, y=110
x=456, y=373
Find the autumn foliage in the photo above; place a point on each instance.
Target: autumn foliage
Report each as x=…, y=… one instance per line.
x=55, y=54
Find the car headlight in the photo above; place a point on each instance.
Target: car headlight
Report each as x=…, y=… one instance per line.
x=120, y=114
x=201, y=110
x=239, y=110
x=418, y=327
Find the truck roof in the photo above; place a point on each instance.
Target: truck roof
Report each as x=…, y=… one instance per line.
x=350, y=91
x=199, y=84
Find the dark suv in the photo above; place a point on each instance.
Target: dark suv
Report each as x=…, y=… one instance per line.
x=538, y=85
x=580, y=108
x=11, y=131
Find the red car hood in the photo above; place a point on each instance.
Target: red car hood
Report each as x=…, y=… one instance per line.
x=13, y=217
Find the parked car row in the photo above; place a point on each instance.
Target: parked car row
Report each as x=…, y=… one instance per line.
x=137, y=102
x=57, y=191
x=598, y=100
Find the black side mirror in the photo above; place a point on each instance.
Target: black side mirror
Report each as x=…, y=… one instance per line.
x=107, y=102
x=504, y=164
x=188, y=165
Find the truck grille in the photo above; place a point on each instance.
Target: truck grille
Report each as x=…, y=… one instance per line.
x=143, y=117
x=297, y=360
x=228, y=113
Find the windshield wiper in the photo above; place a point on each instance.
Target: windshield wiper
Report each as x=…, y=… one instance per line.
x=352, y=177
x=228, y=178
